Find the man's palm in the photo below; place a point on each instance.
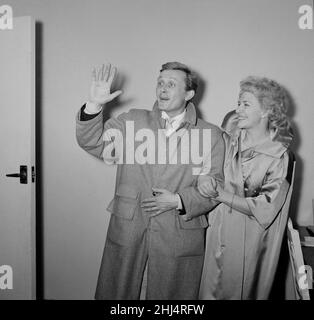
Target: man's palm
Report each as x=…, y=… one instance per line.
x=101, y=83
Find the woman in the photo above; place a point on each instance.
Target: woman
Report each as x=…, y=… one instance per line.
x=245, y=230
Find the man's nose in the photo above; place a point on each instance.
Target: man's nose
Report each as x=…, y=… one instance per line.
x=163, y=88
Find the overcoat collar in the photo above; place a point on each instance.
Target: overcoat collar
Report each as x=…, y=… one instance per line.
x=190, y=115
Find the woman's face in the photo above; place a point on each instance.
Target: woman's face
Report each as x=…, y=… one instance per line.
x=249, y=111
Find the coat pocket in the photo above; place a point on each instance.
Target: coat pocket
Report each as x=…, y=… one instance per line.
x=124, y=202
x=191, y=240
x=121, y=230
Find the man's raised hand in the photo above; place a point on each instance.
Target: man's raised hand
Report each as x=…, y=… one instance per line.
x=99, y=94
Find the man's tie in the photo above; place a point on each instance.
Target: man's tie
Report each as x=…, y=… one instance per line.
x=168, y=124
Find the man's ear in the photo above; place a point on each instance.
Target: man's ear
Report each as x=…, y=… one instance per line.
x=189, y=95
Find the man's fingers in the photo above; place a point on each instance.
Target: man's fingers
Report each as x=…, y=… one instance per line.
x=115, y=94
x=99, y=74
x=102, y=72
x=149, y=200
x=112, y=74
x=159, y=190
x=148, y=205
x=94, y=76
x=107, y=72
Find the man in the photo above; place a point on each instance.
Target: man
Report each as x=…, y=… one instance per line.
x=151, y=228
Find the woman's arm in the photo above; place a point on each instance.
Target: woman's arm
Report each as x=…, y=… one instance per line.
x=268, y=203
x=208, y=187
x=233, y=201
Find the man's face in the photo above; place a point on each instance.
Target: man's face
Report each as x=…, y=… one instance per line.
x=171, y=92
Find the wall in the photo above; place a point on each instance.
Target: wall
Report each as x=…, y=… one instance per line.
x=223, y=40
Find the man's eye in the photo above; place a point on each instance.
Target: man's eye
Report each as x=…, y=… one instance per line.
x=159, y=83
x=171, y=84
x=246, y=105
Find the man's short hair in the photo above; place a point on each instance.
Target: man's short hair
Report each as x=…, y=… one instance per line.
x=191, y=80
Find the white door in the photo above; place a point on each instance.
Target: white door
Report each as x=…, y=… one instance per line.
x=17, y=145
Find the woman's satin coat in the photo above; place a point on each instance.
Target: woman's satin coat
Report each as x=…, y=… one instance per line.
x=242, y=251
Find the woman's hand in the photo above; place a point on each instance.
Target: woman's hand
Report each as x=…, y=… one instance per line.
x=162, y=202
x=207, y=186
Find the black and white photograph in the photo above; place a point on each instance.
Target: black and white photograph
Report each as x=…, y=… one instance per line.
x=156, y=150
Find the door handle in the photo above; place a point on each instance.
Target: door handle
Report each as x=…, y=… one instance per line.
x=22, y=175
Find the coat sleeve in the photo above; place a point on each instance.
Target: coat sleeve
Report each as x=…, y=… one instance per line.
x=266, y=206
x=193, y=202
x=99, y=138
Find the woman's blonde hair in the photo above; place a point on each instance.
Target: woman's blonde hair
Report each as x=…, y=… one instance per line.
x=273, y=99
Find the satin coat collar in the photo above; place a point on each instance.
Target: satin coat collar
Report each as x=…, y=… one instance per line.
x=269, y=147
